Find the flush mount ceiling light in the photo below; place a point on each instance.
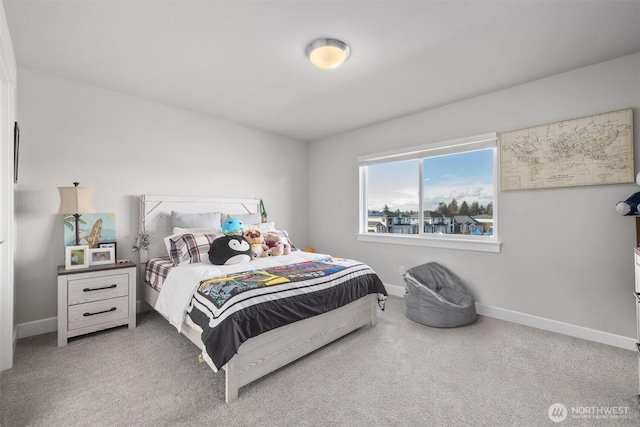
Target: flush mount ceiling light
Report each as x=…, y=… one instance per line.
x=327, y=53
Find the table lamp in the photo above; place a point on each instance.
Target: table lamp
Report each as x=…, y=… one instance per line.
x=75, y=201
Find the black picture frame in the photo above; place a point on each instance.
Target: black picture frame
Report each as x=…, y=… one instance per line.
x=113, y=245
x=16, y=151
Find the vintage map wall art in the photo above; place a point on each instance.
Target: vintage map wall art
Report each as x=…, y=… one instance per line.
x=591, y=150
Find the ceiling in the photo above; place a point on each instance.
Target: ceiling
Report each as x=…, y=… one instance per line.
x=244, y=61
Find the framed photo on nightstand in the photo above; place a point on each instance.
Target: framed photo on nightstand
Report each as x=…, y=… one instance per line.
x=99, y=256
x=76, y=257
x=113, y=245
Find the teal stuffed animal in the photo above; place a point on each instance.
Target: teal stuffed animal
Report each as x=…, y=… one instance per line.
x=232, y=226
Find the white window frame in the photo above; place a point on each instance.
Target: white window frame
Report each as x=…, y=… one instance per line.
x=447, y=241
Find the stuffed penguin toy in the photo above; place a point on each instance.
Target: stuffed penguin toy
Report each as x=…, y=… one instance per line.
x=630, y=206
x=227, y=250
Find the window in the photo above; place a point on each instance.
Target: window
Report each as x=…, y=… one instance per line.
x=440, y=195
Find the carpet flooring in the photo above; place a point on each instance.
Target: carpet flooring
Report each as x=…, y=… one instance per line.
x=398, y=373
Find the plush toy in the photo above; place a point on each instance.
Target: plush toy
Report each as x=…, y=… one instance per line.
x=256, y=240
x=227, y=250
x=232, y=226
x=277, y=245
x=630, y=206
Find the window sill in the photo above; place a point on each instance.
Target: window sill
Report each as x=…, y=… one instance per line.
x=449, y=242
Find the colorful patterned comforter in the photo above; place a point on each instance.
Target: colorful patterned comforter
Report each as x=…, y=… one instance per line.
x=232, y=309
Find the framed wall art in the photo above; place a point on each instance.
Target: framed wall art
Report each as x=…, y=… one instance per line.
x=593, y=150
x=95, y=228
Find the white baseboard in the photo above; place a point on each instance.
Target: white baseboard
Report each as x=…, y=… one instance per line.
x=37, y=327
x=396, y=291
x=44, y=326
x=542, y=323
x=556, y=326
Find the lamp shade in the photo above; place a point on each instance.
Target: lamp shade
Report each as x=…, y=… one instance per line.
x=75, y=200
x=327, y=53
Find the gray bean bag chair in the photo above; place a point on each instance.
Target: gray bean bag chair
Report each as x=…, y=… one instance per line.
x=437, y=297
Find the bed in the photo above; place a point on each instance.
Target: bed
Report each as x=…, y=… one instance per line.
x=251, y=318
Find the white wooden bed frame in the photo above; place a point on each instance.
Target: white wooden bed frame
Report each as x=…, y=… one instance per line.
x=267, y=352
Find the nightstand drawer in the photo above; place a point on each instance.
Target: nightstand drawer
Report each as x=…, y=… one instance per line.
x=98, y=312
x=98, y=288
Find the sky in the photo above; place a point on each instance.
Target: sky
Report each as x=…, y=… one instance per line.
x=463, y=176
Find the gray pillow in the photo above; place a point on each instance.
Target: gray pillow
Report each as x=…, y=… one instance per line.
x=247, y=219
x=195, y=220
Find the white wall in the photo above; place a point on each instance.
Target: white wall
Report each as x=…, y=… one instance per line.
x=566, y=254
x=8, y=334
x=124, y=146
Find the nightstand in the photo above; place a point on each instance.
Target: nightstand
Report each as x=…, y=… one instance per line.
x=95, y=298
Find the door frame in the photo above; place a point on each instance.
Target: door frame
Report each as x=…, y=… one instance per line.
x=8, y=328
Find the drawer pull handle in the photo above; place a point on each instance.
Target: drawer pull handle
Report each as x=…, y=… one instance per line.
x=637, y=295
x=100, y=312
x=97, y=289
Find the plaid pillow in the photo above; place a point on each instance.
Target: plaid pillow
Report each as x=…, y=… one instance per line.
x=190, y=248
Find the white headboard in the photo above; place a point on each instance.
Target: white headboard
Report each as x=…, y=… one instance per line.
x=155, y=216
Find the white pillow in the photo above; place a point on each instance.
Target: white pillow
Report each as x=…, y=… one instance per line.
x=181, y=230
x=263, y=227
